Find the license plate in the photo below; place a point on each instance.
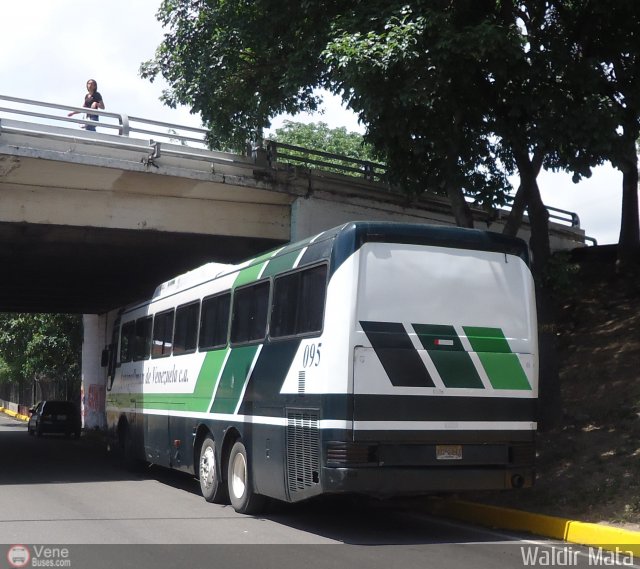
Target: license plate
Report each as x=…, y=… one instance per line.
x=449, y=452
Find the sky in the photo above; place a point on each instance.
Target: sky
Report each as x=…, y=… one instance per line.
x=49, y=48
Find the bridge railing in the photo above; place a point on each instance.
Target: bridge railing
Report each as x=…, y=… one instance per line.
x=275, y=155
x=110, y=122
x=281, y=153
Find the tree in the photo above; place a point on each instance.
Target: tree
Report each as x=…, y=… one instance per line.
x=412, y=78
x=306, y=140
x=455, y=95
x=607, y=36
x=239, y=64
x=320, y=137
x=218, y=60
x=42, y=347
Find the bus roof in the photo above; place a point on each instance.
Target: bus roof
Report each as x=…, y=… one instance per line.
x=349, y=237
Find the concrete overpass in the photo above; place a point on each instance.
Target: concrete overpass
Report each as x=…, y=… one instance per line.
x=90, y=221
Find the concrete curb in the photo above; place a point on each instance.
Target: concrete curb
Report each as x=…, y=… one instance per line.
x=14, y=414
x=594, y=535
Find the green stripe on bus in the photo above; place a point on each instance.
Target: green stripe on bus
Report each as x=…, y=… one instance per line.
x=487, y=339
x=209, y=372
x=504, y=371
x=234, y=377
x=501, y=365
x=197, y=401
x=445, y=349
x=251, y=273
x=281, y=263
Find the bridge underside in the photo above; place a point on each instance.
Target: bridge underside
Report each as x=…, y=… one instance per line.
x=56, y=268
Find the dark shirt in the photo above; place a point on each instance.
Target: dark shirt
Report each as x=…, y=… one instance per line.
x=90, y=99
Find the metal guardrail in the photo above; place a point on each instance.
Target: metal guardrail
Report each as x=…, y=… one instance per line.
x=193, y=141
x=281, y=153
x=562, y=215
x=120, y=123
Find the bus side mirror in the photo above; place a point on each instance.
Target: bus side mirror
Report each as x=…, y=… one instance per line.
x=104, y=359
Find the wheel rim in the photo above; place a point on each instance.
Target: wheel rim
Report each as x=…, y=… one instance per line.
x=207, y=467
x=239, y=475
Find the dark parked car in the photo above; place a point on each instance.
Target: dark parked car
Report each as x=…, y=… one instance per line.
x=54, y=417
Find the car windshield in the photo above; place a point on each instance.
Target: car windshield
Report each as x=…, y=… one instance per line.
x=58, y=408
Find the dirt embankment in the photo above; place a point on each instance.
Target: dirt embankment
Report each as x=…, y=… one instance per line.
x=588, y=467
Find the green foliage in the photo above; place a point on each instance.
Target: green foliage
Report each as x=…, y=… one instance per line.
x=314, y=141
x=240, y=63
x=318, y=136
x=455, y=96
x=562, y=275
x=412, y=78
x=5, y=372
x=41, y=346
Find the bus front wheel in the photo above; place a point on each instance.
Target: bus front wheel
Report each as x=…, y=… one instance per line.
x=213, y=489
x=243, y=499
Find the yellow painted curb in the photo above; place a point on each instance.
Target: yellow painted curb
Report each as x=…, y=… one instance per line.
x=13, y=414
x=582, y=533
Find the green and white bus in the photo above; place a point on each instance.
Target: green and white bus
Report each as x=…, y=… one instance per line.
x=374, y=358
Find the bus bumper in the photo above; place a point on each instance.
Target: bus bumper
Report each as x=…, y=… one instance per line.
x=394, y=481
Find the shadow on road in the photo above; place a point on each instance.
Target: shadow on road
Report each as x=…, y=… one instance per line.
x=356, y=520
x=53, y=459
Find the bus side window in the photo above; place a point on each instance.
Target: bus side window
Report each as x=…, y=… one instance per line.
x=162, y=334
x=127, y=341
x=142, y=344
x=185, y=335
x=298, y=302
x=250, y=309
x=214, y=321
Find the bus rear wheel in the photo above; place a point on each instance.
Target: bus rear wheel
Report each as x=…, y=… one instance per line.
x=243, y=499
x=213, y=489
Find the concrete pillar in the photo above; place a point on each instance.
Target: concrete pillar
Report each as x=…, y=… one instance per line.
x=94, y=377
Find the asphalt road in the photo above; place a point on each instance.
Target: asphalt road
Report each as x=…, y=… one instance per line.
x=72, y=493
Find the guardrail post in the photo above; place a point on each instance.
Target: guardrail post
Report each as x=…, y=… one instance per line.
x=123, y=120
x=155, y=153
x=260, y=157
x=272, y=154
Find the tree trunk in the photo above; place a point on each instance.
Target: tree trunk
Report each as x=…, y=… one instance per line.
x=629, y=242
x=514, y=221
x=528, y=170
x=459, y=206
x=549, y=400
x=539, y=224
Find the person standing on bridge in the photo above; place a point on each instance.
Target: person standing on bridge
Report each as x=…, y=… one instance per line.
x=92, y=100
